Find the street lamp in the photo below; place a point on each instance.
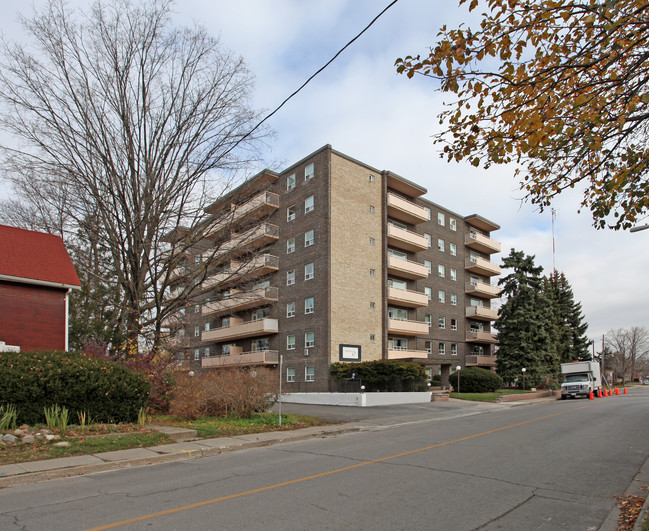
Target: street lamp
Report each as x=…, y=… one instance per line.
x=638, y=228
x=523, y=370
x=458, y=378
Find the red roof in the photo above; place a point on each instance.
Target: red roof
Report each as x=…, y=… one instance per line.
x=26, y=254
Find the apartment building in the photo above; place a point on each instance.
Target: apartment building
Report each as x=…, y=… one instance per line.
x=333, y=260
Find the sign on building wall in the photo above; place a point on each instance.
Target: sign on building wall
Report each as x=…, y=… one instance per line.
x=350, y=353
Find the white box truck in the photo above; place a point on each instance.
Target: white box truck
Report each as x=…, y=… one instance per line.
x=580, y=378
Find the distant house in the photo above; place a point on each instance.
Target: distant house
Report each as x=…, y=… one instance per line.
x=36, y=276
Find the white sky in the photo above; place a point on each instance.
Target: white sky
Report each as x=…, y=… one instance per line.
x=364, y=109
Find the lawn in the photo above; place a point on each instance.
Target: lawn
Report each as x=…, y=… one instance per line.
x=97, y=438
x=488, y=397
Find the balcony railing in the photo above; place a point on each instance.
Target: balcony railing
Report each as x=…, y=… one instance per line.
x=480, y=266
x=481, y=337
x=481, y=313
x=400, y=354
x=238, y=330
x=407, y=298
x=240, y=301
x=482, y=289
x=406, y=239
x=407, y=328
x=406, y=268
x=472, y=360
x=242, y=243
x=259, y=206
x=262, y=357
x=481, y=243
x=257, y=267
x=404, y=210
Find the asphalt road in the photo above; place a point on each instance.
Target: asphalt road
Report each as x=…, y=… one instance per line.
x=551, y=465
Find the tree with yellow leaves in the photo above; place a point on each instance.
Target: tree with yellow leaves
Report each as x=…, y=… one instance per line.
x=561, y=88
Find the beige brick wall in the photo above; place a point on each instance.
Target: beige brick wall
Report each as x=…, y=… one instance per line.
x=352, y=287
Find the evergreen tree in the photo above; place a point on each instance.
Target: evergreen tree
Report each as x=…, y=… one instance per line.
x=525, y=324
x=569, y=329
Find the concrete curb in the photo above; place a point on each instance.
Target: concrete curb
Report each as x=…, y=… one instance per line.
x=19, y=474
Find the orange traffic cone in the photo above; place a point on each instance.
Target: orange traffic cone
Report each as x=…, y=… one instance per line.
x=591, y=396
x=617, y=391
x=624, y=390
x=606, y=392
x=599, y=393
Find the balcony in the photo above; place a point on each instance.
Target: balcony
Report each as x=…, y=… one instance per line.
x=480, y=242
x=242, y=243
x=404, y=210
x=258, y=207
x=481, y=337
x=407, y=298
x=472, y=360
x=407, y=328
x=482, y=289
x=400, y=354
x=238, y=271
x=244, y=300
x=481, y=313
x=481, y=223
x=406, y=239
x=239, y=330
x=406, y=268
x=262, y=357
x=480, y=266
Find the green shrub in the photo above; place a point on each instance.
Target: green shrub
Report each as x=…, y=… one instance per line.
x=476, y=380
x=33, y=381
x=384, y=376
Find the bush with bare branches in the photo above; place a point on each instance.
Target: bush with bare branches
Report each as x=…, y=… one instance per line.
x=223, y=392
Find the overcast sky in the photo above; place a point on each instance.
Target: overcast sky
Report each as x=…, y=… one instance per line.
x=364, y=109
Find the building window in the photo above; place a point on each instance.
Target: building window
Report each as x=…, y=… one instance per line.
x=197, y=308
x=308, y=204
x=441, y=296
x=429, y=239
x=441, y=271
x=225, y=350
x=197, y=259
x=197, y=331
x=207, y=326
x=372, y=272
x=309, y=172
x=290, y=277
x=309, y=339
x=428, y=346
x=372, y=209
x=371, y=178
x=225, y=322
x=452, y=248
x=372, y=305
x=429, y=293
x=372, y=337
x=290, y=182
x=428, y=214
x=259, y=345
x=372, y=241
x=309, y=305
x=309, y=238
x=290, y=309
x=429, y=265
x=207, y=352
x=453, y=299
x=441, y=322
x=428, y=319
x=441, y=348
x=290, y=246
x=290, y=342
x=290, y=213
x=440, y=219
x=290, y=374
x=453, y=324
x=440, y=245
x=197, y=354
x=260, y=314
x=309, y=374
x=452, y=224
x=453, y=349
x=453, y=273
x=308, y=271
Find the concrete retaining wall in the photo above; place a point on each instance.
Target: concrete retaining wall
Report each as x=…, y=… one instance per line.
x=357, y=399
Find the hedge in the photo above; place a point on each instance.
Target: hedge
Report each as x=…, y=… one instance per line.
x=105, y=390
x=476, y=380
x=385, y=376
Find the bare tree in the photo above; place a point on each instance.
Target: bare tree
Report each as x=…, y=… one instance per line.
x=128, y=129
x=629, y=350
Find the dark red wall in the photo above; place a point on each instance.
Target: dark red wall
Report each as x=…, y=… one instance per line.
x=32, y=317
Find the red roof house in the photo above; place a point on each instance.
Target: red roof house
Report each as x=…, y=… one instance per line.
x=36, y=276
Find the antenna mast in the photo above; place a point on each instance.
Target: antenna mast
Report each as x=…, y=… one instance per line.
x=554, y=263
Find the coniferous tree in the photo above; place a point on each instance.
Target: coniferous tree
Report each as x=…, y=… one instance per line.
x=525, y=324
x=569, y=328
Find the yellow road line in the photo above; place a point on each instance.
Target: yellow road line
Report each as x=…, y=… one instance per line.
x=322, y=474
